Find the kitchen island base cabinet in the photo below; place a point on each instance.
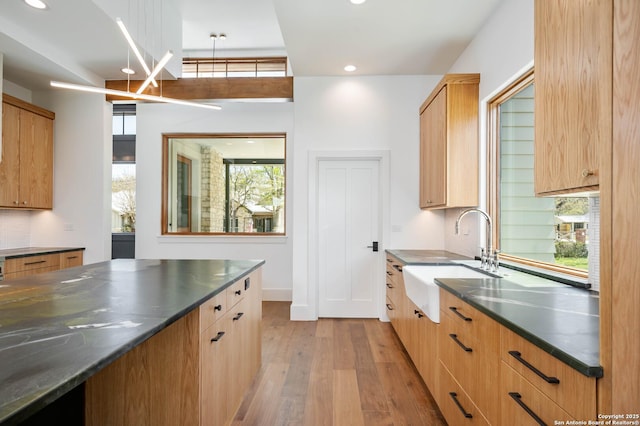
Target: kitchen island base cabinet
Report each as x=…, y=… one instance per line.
x=194, y=372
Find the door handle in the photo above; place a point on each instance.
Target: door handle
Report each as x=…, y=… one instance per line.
x=374, y=246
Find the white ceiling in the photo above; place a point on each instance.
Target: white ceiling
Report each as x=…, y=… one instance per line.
x=78, y=40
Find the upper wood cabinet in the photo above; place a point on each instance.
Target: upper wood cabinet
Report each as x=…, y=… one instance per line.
x=26, y=169
x=449, y=143
x=573, y=93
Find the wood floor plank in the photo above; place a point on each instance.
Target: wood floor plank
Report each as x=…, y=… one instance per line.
x=346, y=399
x=319, y=401
x=334, y=372
x=263, y=408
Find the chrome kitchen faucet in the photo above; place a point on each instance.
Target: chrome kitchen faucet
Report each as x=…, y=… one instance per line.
x=488, y=257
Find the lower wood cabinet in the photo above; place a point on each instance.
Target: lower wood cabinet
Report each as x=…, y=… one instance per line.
x=469, y=347
x=18, y=267
x=194, y=372
x=479, y=371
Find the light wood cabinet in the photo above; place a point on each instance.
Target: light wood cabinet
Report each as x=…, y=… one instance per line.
x=19, y=267
x=71, y=259
x=24, y=266
x=449, y=143
x=469, y=344
x=573, y=93
x=417, y=333
x=26, y=170
x=194, y=372
x=456, y=406
x=573, y=392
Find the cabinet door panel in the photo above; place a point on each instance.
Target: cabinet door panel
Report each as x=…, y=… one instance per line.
x=573, y=96
x=36, y=160
x=10, y=165
x=433, y=152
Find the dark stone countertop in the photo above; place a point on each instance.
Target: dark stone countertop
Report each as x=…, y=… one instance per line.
x=34, y=251
x=59, y=328
x=559, y=319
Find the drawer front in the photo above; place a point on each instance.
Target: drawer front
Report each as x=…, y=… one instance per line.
x=392, y=312
x=478, y=325
x=573, y=391
x=455, y=405
x=71, y=259
x=522, y=404
x=30, y=263
x=212, y=310
x=471, y=353
x=236, y=292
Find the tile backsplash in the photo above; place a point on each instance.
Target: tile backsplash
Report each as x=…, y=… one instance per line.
x=15, y=229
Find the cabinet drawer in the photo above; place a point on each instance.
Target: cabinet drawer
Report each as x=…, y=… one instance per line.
x=573, y=391
x=71, y=259
x=472, y=359
x=456, y=406
x=392, y=312
x=522, y=404
x=473, y=323
x=236, y=291
x=30, y=263
x=212, y=310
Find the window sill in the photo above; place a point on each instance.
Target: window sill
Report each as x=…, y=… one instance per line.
x=217, y=239
x=568, y=279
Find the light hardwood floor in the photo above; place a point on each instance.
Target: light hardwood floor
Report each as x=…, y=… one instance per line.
x=334, y=372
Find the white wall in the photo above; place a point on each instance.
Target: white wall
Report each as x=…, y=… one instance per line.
x=352, y=114
x=82, y=175
x=500, y=52
x=155, y=119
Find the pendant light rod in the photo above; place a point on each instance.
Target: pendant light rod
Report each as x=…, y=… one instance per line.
x=142, y=96
x=155, y=71
x=133, y=46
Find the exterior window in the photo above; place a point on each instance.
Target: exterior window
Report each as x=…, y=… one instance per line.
x=123, y=170
x=224, y=184
x=547, y=232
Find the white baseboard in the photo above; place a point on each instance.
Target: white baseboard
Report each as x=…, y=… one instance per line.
x=302, y=313
x=276, y=294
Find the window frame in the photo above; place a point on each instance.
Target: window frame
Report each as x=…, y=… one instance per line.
x=165, y=187
x=493, y=176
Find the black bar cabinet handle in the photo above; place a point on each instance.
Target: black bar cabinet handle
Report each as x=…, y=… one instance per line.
x=418, y=313
x=455, y=311
x=389, y=307
x=455, y=339
x=389, y=273
x=518, y=399
x=35, y=263
x=397, y=268
x=517, y=355
x=238, y=292
x=217, y=308
x=218, y=336
x=454, y=396
x=237, y=317
x=389, y=285
x=389, y=260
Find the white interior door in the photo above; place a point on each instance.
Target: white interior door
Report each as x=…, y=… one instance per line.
x=348, y=224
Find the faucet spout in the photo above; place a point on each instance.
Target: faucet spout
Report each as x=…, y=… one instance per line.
x=489, y=236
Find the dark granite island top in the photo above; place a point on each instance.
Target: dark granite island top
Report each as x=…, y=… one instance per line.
x=57, y=329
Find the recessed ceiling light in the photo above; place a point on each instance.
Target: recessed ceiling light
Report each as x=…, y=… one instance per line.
x=128, y=71
x=350, y=68
x=357, y=1
x=38, y=4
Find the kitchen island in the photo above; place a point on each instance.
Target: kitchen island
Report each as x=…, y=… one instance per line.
x=126, y=326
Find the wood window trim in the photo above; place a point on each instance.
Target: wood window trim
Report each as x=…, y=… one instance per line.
x=493, y=173
x=165, y=187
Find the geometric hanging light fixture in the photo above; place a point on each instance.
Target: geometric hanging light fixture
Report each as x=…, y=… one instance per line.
x=151, y=75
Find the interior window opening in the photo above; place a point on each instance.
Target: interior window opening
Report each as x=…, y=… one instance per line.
x=224, y=184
